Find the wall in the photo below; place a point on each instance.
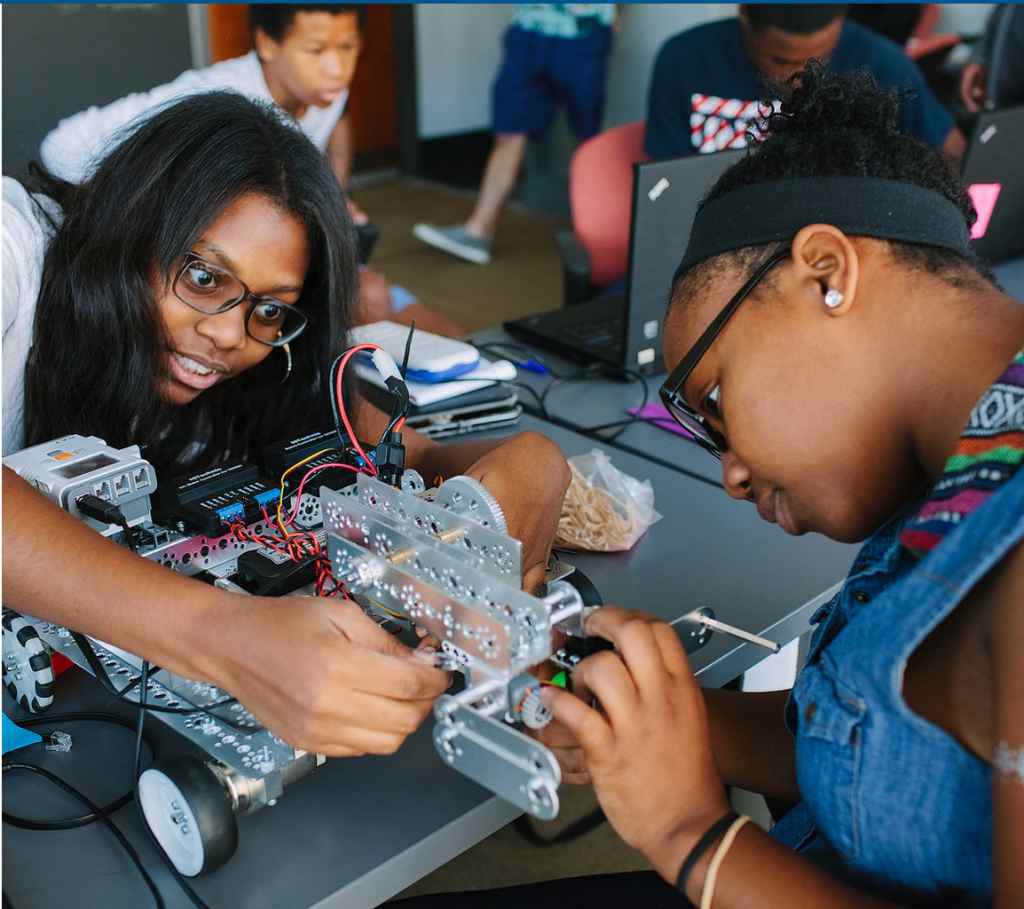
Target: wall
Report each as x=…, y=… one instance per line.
x=964, y=18
x=643, y=27
x=60, y=58
x=458, y=49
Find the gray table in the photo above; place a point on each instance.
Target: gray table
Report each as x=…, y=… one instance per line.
x=597, y=401
x=1011, y=276
x=359, y=830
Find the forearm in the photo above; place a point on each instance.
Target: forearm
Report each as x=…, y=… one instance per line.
x=58, y=569
x=752, y=746
x=339, y=151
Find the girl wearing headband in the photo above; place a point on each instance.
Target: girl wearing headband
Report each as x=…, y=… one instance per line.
x=859, y=375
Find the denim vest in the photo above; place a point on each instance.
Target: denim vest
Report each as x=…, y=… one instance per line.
x=891, y=802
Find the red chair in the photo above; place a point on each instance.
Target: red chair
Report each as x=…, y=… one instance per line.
x=596, y=250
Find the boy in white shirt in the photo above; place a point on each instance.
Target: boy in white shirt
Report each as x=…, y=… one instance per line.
x=304, y=59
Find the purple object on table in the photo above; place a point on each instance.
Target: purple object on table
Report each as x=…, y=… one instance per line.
x=659, y=416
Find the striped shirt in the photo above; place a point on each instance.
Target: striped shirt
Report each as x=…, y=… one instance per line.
x=990, y=451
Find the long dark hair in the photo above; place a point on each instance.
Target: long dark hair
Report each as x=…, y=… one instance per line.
x=98, y=337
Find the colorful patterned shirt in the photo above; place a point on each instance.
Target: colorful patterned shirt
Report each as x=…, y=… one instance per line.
x=990, y=451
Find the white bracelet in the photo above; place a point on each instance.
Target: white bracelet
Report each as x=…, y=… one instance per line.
x=708, y=893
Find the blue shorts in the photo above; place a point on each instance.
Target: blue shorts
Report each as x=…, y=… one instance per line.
x=539, y=73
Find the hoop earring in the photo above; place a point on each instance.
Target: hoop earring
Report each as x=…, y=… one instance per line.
x=833, y=298
x=288, y=371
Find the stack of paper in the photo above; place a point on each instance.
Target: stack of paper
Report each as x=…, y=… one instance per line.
x=486, y=373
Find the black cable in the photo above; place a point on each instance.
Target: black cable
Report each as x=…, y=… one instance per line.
x=95, y=809
x=123, y=524
x=100, y=671
x=81, y=820
x=597, y=371
x=408, y=348
x=136, y=773
x=574, y=831
x=529, y=353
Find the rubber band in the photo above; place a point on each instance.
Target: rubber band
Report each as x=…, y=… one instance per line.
x=710, y=879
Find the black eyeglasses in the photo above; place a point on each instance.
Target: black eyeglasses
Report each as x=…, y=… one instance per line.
x=208, y=288
x=671, y=391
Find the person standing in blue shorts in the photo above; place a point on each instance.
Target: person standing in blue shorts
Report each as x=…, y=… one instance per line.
x=555, y=53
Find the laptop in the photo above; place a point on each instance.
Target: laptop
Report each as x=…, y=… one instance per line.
x=626, y=329
x=994, y=177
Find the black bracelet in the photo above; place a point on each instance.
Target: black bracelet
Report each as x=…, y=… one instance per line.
x=703, y=844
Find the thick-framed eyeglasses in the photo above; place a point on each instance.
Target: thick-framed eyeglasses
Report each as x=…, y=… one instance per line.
x=210, y=289
x=671, y=391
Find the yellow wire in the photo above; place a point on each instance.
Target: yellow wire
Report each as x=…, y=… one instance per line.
x=280, y=497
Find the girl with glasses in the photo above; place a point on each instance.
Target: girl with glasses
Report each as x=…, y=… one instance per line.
x=861, y=376
x=190, y=298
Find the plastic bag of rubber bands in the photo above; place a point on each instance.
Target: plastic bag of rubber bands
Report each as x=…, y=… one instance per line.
x=605, y=509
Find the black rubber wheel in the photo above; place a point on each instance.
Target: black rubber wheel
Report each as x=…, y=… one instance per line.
x=189, y=812
x=584, y=587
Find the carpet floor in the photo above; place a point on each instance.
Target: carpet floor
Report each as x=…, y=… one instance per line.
x=523, y=277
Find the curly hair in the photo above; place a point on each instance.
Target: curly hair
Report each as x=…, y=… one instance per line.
x=832, y=126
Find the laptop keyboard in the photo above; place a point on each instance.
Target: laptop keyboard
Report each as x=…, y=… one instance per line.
x=604, y=333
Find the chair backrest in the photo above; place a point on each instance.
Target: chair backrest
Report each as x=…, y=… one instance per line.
x=601, y=196
x=927, y=21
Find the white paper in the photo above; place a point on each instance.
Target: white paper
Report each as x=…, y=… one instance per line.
x=487, y=373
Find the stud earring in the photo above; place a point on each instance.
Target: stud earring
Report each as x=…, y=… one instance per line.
x=833, y=298
x=288, y=370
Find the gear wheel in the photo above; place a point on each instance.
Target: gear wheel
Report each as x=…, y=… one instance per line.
x=532, y=711
x=469, y=498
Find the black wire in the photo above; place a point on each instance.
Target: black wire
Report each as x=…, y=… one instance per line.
x=123, y=524
x=136, y=773
x=597, y=371
x=593, y=371
x=84, y=819
x=335, y=410
x=100, y=671
x=574, y=831
x=95, y=809
x=408, y=348
x=498, y=347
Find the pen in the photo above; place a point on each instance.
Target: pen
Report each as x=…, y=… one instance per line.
x=527, y=363
x=531, y=365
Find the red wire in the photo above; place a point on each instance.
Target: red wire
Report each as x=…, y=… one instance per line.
x=341, y=401
x=298, y=494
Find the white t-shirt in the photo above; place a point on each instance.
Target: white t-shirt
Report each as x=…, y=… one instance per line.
x=79, y=143
x=26, y=234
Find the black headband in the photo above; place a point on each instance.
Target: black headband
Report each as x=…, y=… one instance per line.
x=866, y=206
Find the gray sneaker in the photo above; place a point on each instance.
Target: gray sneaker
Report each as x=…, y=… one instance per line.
x=456, y=241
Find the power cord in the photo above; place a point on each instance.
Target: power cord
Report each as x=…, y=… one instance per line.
x=96, y=813
x=136, y=773
x=84, y=819
x=121, y=694
x=108, y=513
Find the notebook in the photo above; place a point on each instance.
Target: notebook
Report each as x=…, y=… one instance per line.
x=994, y=177
x=626, y=330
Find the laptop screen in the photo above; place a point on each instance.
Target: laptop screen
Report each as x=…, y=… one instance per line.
x=665, y=198
x=994, y=178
